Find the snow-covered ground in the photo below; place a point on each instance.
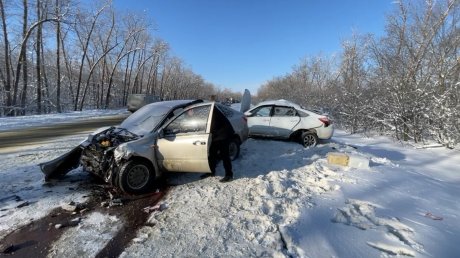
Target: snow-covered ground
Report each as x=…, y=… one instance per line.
x=285, y=201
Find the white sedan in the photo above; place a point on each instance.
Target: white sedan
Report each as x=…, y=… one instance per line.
x=283, y=119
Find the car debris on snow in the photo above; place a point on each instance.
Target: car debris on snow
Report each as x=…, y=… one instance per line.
x=84, y=210
x=24, y=204
x=111, y=203
x=71, y=223
x=433, y=217
x=158, y=207
x=116, y=202
x=141, y=238
x=73, y=206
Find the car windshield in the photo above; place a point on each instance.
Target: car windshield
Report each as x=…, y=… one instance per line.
x=146, y=119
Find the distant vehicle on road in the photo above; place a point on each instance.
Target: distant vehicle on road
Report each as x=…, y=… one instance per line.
x=286, y=120
x=136, y=101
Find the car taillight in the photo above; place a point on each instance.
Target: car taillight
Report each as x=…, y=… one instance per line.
x=325, y=121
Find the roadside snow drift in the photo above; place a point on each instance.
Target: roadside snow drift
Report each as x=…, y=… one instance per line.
x=245, y=217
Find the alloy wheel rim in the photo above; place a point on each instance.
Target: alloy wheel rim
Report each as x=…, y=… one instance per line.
x=309, y=140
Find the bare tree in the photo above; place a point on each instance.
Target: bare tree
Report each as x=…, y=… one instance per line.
x=159, y=49
x=6, y=42
x=39, y=59
x=22, y=52
x=58, y=57
x=353, y=80
x=84, y=40
x=91, y=70
x=25, y=76
x=400, y=57
x=106, y=45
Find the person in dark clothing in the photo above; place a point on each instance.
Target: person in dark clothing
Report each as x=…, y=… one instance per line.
x=221, y=131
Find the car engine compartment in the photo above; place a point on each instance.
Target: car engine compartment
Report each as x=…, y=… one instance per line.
x=97, y=152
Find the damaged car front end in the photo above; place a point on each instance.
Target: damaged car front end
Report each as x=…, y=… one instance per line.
x=97, y=155
x=108, y=152
x=167, y=136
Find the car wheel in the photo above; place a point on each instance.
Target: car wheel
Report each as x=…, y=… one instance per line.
x=136, y=176
x=234, y=149
x=309, y=139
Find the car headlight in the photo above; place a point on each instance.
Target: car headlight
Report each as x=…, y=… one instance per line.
x=121, y=152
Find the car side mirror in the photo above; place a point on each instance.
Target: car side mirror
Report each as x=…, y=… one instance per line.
x=167, y=132
x=161, y=133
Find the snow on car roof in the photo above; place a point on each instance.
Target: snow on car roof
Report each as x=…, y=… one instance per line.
x=149, y=116
x=169, y=103
x=280, y=102
x=283, y=102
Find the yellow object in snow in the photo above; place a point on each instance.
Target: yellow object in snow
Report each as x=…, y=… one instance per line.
x=338, y=158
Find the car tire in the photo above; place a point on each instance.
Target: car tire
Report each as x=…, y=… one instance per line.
x=234, y=149
x=136, y=176
x=309, y=139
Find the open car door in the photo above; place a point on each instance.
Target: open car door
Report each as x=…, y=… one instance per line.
x=184, y=144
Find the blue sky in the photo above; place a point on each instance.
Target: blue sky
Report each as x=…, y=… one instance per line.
x=240, y=44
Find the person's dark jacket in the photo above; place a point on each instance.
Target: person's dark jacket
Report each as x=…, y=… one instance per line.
x=221, y=128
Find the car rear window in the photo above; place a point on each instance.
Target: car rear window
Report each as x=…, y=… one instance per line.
x=228, y=112
x=302, y=114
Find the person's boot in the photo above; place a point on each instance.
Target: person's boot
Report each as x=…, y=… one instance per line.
x=226, y=178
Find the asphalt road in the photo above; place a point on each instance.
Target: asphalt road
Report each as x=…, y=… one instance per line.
x=33, y=135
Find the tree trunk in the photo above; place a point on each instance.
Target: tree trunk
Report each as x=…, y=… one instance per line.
x=58, y=61
x=90, y=74
x=38, y=64
x=6, y=43
x=68, y=66
x=25, y=75
x=85, y=52
x=104, y=65
x=47, y=100
x=109, y=87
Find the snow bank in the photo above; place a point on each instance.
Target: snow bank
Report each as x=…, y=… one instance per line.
x=245, y=217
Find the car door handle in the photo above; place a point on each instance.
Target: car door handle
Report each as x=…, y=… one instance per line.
x=199, y=143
